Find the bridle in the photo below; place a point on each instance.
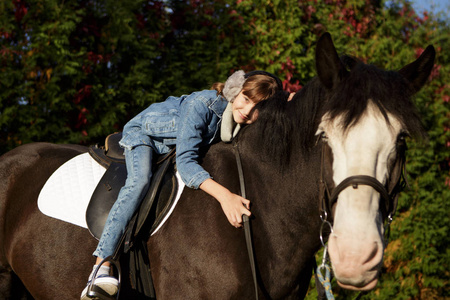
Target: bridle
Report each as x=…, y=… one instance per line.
x=329, y=195
x=389, y=192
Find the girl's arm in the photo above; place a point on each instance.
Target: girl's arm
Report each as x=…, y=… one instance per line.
x=195, y=117
x=234, y=206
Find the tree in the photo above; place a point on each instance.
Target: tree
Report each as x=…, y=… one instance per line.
x=72, y=70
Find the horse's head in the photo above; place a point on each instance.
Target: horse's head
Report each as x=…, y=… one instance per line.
x=366, y=115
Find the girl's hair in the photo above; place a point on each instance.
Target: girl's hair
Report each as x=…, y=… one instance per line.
x=256, y=87
x=259, y=87
x=218, y=86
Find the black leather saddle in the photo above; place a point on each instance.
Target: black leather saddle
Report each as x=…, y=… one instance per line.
x=157, y=202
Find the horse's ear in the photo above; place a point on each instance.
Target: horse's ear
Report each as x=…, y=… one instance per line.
x=418, y=71
x=328, y=65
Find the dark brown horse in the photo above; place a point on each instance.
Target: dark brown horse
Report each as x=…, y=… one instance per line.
x=356, y=114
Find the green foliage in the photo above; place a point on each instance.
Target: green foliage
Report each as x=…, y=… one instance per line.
x=74, y=71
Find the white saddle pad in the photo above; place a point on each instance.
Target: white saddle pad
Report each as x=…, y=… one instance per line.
x=66, y=194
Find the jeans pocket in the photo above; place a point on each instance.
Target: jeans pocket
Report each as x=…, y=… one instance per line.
x=161, y=125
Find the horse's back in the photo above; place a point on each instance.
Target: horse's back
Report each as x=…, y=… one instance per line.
x=48, y=155
x=41, y=150
x=27, y=168
x=32, y=244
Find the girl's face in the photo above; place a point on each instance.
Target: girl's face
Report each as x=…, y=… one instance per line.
x=243, y=112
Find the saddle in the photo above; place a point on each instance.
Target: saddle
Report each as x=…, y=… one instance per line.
x=154, y=206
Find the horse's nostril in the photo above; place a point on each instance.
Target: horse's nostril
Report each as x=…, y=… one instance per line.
x=372, y=254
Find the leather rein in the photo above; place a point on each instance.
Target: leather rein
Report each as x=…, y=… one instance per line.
x=246, y=220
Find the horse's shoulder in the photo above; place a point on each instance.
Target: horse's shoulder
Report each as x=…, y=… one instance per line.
x=220, y=152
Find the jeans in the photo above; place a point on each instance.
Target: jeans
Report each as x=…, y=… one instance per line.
x=139, y=167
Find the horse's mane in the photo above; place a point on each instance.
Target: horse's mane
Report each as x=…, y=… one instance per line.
x=388, y=90
x=283, y=125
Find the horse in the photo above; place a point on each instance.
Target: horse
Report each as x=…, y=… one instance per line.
x=348, y=122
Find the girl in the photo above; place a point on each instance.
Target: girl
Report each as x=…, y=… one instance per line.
x=189, y=123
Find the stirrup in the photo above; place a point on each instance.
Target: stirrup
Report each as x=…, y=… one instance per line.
x=98, y=293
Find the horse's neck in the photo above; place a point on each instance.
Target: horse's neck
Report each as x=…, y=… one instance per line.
x=286, y=219
x=285, y=199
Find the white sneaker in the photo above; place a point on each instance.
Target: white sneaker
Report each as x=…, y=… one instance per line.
x=107, y=283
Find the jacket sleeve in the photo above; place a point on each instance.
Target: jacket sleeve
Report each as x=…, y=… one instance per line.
x=194, y=119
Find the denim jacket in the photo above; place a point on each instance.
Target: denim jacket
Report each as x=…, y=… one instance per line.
x=188, y=122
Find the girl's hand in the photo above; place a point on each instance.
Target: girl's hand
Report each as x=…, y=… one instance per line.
x=234, y=206
x=291, y=95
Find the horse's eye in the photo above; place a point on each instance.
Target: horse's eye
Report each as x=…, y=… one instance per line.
x=402, y=136
x=401, y=141
x=321, y=136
